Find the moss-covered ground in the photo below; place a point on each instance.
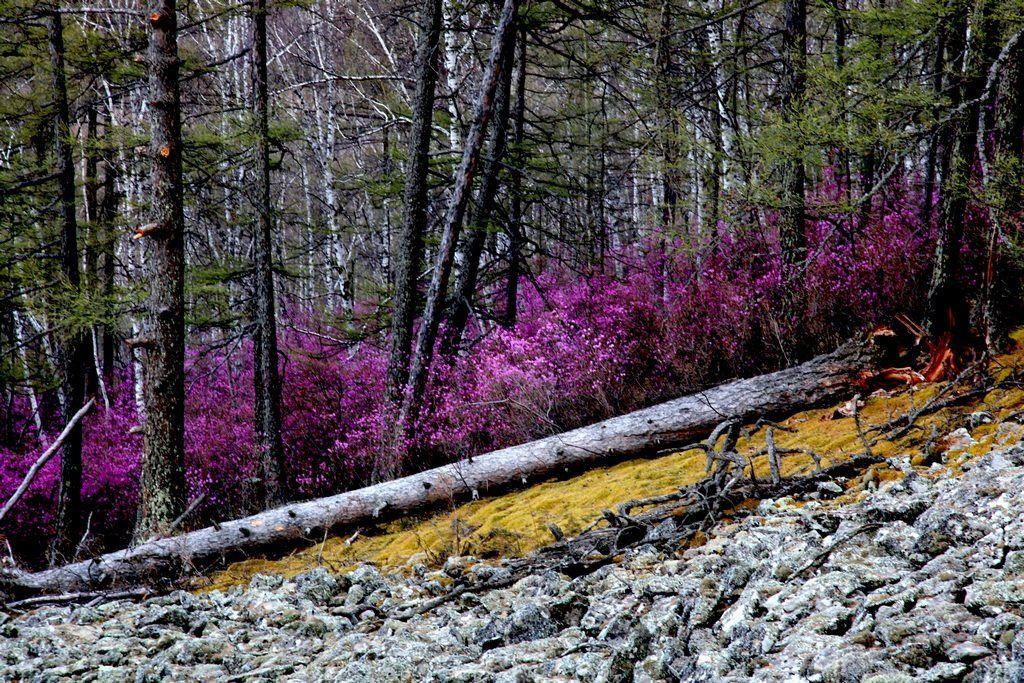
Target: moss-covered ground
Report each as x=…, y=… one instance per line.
x=518, y=522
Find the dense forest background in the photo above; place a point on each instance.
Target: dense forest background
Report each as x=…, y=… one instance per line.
x=291, y=248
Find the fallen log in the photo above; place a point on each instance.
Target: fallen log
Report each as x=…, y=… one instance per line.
x=829, y=377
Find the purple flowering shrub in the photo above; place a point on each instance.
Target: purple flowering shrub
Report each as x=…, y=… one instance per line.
x=671, y=319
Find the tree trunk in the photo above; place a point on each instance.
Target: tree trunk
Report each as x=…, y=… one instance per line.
x=947, y=309
x=1002, y=281
x=931, y=159
x=843, y=160
x=408, y=249
x=668, y=123
x=419, y=370
x=162, y=497
x=673, y=424
x=72, y=358
x=793, y=210
x=270, y=450
x=711, y=181
x=479, y=221
x=107, y=211
x=515, y=226
x=92, y=186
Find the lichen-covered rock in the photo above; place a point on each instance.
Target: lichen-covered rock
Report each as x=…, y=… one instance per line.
x=923, y=580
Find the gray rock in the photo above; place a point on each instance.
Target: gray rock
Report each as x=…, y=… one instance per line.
x=934, y=593
x=633, y=649
x=492, y=634
x=318, y=585
x=530, y=622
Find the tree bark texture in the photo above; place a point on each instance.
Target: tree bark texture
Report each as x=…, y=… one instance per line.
x=419, y=370
x=270, y=449
x=479, y=220
x=71, y=345
x=407, y=254
x=791, y=218
x=163, y=342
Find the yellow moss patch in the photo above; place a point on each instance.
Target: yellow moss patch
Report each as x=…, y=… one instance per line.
x=517, y=523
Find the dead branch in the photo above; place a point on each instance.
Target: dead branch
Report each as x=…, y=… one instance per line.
x=45, y=458
x=93, y=598
x=822, y=555
x=181, y=518
x=900, y=426
x=860, y=429
x=595, y=547
x=773, y=456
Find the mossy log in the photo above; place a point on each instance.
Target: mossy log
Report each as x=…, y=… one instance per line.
x=827, y=378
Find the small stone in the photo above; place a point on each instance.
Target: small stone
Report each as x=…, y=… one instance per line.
x=168, y=616
x=888, y=677
x=530, y=622
x=830, y=488
x=1014, y=565
x=492, y=634
x=266, y=582
x=367, y=576
x=968, y=651
x=457, y=565
x=317, y=585
x=946, y=672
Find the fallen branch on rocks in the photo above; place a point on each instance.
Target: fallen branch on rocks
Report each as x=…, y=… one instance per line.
x=822, y=555
x=694, y=509
x=667, y=426
x=90, y=597
x=898, y=427
x=946, y=397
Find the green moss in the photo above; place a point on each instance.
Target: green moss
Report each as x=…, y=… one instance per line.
x=517, y=523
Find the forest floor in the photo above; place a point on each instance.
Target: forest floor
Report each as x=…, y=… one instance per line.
x=516, y=523
x=909, y=570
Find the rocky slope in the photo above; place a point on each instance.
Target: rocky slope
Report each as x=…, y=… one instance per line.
x=922, y=580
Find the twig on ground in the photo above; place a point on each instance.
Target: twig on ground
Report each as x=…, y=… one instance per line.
x=323, y=543
x=81, y=542
x=824, y=553
x=900, y=426
x=764, y=422
x=91, y=596
x=354, y=611
x=860, y=429
x=773, y=456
